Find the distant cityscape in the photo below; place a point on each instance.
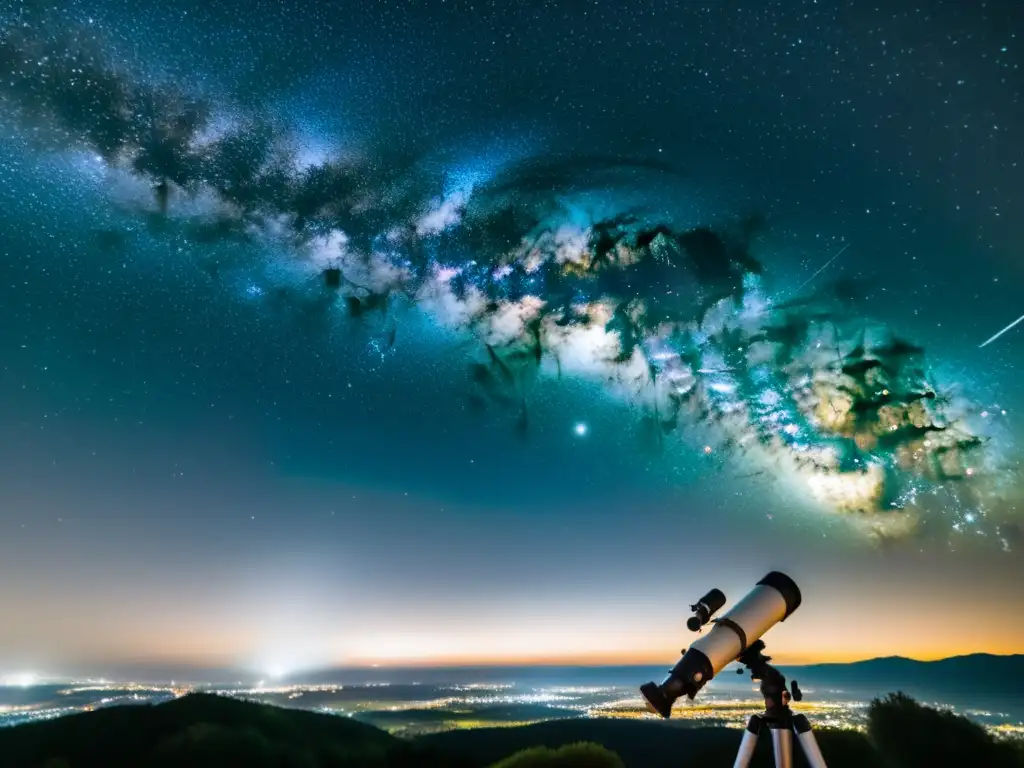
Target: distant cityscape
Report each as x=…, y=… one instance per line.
x=416, y=708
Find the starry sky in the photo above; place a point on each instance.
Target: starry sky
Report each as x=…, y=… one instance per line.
x=458, y=332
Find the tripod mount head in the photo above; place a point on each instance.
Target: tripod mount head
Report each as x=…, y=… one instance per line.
x=773, y=682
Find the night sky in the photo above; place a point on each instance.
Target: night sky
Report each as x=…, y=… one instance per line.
x=457, y=332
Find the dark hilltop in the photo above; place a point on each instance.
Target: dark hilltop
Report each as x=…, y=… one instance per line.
x=200, y=730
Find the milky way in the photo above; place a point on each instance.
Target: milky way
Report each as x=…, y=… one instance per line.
x=553, y=267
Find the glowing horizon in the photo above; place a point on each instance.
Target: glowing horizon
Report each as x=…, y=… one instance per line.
x=599, y=659
x=22, y=678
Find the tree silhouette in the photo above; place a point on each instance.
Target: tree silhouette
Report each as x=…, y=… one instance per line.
x=909, y=735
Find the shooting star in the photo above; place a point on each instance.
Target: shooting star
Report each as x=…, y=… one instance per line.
x=1010, y=327
x=823, y=267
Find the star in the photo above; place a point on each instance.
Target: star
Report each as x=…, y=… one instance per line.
x=580, y=429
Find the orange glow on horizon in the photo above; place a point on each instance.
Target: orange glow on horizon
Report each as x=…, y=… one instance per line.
x=632, y=659
x=835, y=631
x=192, y=654
x=624, y=658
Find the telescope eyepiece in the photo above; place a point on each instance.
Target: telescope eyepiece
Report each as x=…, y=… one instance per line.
x=688, y=676
x=657, y=701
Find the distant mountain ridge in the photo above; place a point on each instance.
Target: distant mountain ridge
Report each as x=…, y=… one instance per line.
x=457, y=673
x=984, y=663
x=980, y=676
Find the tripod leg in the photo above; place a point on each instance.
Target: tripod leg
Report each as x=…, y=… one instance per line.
x=782, y=746
x=809, y=744
x=749, y=743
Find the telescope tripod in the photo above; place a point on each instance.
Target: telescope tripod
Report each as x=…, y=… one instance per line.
x=777, y=717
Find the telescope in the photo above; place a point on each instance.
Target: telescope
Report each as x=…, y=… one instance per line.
x=772, y=600
x=736, y=636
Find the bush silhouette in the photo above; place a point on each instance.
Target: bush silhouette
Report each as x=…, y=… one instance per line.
x=581, y=755
x=909, y=735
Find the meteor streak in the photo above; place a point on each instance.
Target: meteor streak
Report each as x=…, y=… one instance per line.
x=823, y=268
x=1010, y=327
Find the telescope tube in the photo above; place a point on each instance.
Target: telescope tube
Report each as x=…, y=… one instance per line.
x=772, y=600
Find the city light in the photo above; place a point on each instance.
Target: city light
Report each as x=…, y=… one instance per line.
x=730, y=707
x=20, y=679
x=276, y=671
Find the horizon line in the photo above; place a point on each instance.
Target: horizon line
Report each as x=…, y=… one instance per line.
x=443, y=664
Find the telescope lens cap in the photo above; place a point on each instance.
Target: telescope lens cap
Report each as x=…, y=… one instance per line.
x=786, y=587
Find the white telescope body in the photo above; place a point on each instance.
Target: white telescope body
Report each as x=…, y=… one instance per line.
x=761, y=609
x=772, y=600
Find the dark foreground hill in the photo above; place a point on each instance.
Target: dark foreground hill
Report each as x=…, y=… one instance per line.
x=203, y=731
x=644, y=743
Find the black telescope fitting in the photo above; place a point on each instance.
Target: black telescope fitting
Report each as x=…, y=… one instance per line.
x=704, y=609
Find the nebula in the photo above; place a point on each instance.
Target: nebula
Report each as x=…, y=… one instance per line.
x=676, y=319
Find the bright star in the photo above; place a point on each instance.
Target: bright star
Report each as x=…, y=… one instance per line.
x=580, y=428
